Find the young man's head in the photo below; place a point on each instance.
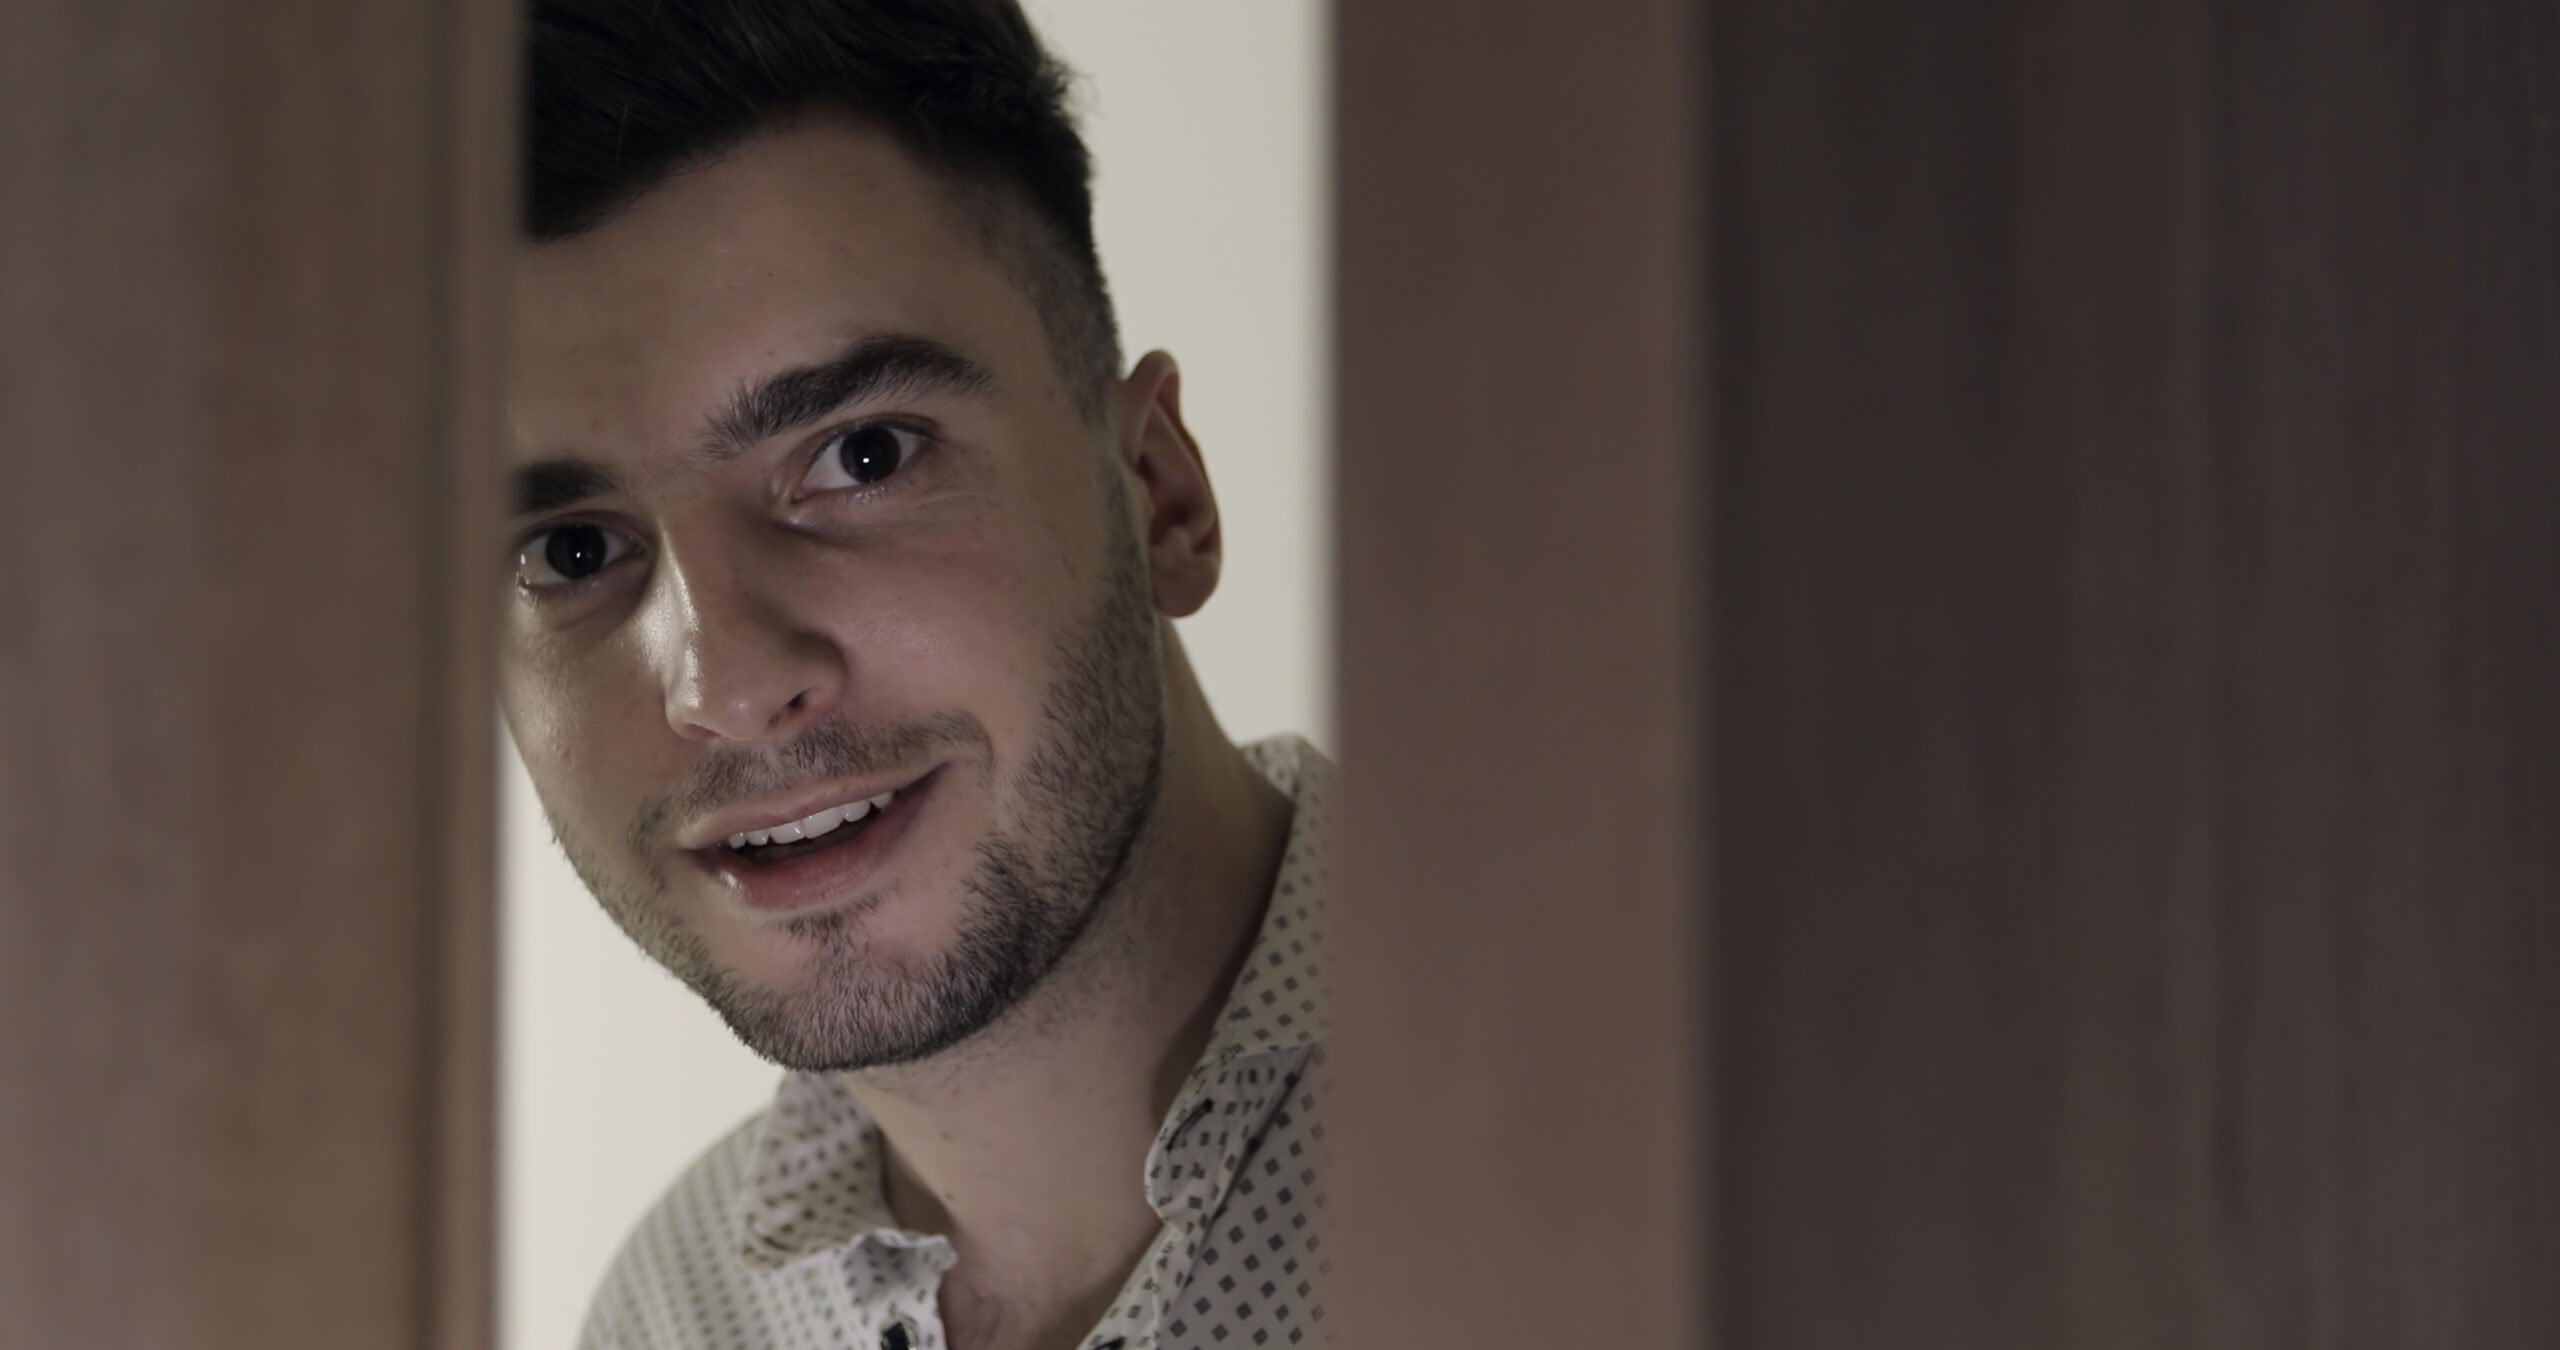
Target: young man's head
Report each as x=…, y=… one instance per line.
x=835, y=643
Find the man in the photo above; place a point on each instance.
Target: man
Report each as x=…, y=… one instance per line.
x=839, y=648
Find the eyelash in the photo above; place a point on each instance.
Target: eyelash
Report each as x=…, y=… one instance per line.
x=561, y=590
x=828, y=440
x=825, y=442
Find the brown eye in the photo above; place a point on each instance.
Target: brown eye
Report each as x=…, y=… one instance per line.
x=861, y=456
x=567, y=554
x=576, y=552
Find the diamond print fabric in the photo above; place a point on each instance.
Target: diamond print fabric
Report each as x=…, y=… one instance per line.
x=780, y=1238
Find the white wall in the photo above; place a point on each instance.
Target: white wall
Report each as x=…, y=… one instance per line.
x=1207, y=121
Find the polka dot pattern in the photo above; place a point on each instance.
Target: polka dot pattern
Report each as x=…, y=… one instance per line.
x=780, y=1237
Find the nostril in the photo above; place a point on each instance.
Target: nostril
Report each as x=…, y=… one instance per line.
x=799, y=703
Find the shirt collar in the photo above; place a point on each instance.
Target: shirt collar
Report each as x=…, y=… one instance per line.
x=1278, y=1000
x=816, y=1183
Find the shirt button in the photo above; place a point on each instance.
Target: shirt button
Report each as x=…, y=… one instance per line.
x=897, y=1337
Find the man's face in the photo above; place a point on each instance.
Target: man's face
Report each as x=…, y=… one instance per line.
x=817, y=527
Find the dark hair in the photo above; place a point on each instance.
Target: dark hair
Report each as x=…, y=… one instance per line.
x=625, y=94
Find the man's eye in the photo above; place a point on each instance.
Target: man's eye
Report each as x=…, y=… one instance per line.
x=567, y=554
x=861, y=456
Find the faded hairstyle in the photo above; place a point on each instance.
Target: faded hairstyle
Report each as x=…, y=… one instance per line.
x=625, y=94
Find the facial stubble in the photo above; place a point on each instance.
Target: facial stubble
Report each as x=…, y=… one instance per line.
x=1081, y=799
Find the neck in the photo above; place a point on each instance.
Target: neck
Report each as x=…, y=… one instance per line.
x=1026, y=1146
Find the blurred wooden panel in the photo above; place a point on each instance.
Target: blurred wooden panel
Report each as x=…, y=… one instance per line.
x=248, y=301
x=1520, y=1118
x=2139, y=770
x=2125, y=550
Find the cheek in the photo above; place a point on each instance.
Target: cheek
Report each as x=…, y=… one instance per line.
x=574, y=725
x=537, y=687
x=971, y=625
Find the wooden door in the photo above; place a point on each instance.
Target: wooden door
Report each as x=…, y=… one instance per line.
x=248, y=310
x=1951, y=621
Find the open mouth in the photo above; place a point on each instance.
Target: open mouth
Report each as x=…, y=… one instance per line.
x=833, y=827
x=826, y=858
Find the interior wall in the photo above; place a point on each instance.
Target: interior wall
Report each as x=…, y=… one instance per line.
x=1207, y=124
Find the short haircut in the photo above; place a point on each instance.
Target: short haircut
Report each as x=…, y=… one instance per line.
x=625, y=94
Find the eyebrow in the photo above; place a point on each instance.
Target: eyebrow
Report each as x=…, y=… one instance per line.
x=555, y=483
x=872, y=367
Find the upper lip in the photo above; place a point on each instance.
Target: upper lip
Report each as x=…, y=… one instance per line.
x=764, y=813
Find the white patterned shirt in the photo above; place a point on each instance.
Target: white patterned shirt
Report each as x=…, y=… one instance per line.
x=780, y=1237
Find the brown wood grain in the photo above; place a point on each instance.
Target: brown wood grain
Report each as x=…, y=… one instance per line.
x=2136, y=642
x=1517, y=503
x=2117, y=757
x=247, y=290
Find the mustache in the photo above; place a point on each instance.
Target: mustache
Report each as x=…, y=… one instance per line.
x=831, y=749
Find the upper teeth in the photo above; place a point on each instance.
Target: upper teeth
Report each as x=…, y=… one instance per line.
x=811, y=826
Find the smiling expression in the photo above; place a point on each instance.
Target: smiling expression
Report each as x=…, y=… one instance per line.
x=819, y=545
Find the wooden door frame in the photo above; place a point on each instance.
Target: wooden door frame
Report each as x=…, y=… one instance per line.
x=250, y=316
x=1947, y=674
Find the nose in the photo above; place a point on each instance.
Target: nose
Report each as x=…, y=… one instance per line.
x=736, y=665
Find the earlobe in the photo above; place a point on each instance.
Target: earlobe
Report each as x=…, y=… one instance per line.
x=1180, y=530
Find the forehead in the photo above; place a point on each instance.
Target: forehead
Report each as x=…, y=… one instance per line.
x=776, y=254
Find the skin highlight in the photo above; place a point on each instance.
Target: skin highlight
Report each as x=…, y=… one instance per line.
x=1015, y=997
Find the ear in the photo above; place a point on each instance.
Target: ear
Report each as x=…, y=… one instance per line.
x=1178, y=514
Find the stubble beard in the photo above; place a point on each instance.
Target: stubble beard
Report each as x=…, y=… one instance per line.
x=1082, y=799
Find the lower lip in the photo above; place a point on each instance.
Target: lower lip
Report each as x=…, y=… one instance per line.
x=829, y=876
